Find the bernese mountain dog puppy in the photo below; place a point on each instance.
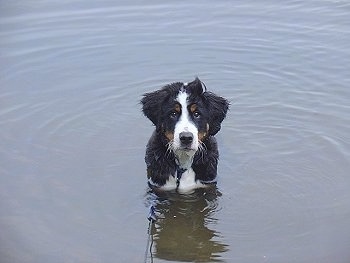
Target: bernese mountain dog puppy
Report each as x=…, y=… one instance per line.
x=182, y=153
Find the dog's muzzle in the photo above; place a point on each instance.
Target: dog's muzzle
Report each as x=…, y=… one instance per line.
x=186, y=139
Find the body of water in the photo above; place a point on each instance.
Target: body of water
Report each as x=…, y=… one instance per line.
x=72, y=136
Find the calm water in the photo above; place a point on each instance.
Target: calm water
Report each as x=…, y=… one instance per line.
x=72, y=136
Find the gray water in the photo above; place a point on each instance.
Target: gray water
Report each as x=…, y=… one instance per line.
x=72, y=136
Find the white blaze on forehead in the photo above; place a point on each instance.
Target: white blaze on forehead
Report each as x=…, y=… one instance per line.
x=184, y=124
x=182, y=99
x=184, y=121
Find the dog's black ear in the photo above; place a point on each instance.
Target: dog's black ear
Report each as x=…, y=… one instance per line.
x=218, y=107
x=151, y=105
x=195, y=87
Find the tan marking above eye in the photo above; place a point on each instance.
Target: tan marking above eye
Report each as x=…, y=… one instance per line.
x=193, y=107
x=177, y=108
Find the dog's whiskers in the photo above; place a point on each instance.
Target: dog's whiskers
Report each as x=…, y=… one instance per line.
x=169, y=148
x=202, y=144
x=201, y=149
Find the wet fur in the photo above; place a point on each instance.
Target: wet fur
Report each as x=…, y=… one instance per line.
x=158, y=106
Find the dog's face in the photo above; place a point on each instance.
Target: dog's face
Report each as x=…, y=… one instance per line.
x=185, y=115
x=184, y=123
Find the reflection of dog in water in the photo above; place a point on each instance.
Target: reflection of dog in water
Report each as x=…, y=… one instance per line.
x=181, y=231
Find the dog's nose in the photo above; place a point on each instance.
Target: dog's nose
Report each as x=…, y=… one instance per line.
x=186, y=138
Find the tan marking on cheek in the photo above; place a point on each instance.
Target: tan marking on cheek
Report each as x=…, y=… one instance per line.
x=203, y=134
x=169, y=135
x=193, y=107
x=177, y=108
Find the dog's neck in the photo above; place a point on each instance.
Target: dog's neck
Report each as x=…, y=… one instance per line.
x=184, y=159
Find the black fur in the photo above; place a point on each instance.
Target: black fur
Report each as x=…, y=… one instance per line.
x=158, y=106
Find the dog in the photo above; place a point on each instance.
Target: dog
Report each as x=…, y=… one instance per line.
x=182, y=153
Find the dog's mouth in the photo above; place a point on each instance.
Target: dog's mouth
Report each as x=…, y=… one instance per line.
x=185, y=150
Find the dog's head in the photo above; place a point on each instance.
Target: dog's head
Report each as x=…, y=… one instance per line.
x=185, y=114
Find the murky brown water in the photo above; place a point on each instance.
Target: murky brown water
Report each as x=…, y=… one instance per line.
x=72, y=175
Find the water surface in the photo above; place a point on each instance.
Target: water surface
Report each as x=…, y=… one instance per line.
x=72, y=175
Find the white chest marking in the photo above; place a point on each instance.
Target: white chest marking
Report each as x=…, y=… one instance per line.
x=187, y=182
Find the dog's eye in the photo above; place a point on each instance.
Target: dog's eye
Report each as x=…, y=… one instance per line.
x=196, y=114
x=173, y=114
